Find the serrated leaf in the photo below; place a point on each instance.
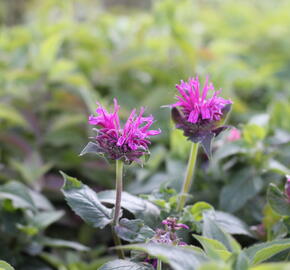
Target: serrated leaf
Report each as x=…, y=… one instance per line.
x=125, y=265
x=85, y=202
x=179, y=258
x=278, y=200
x=141, y=208
x=133, y=230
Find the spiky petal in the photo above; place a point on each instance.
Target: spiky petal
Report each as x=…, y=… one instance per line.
x=128, y=143
x=198, y=115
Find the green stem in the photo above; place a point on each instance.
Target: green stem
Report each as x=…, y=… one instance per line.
x=188, y=176
x=119, y=188
x=117, y=209
x=159, y=265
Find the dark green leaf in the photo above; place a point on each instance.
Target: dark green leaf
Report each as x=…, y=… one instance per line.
x=141, y=208
x=125, y=265
x=212, y=230
x=278, y=200
x=261, y=252
x=59, y=243
x=242, y=188
x=179, y=258
x=134, y=230
x=44, y=219
x=85, y=203
x=231, y=224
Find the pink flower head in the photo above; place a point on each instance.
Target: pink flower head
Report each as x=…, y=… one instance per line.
x=287, y=188
x=234, y=135
x=198, y=115
x=195, y=105
x=129, y=142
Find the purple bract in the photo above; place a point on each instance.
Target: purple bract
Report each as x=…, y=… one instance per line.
x=128, y=143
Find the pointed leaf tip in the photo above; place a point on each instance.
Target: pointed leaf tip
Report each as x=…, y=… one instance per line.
x=70, y=182
x=90, y=148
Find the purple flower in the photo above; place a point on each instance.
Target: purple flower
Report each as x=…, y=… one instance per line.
x=128, y=143
x=198, y=116
x=168, y=235
x=172, y=224
x=287, y=188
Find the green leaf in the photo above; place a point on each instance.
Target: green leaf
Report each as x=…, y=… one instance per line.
x=133, y=230
x=272, y=266
x=215, y=266
x=85, y=202
x=197, y=210
x=211, y=230
x=179, y=258
x=59, y=243
x=44, y=219
x=242, y=188
x=241, y=262
x=125, y=265
x=213, y=248
x=141, y=208
x=261, y=252
x=11, y=115
x=278, y=200
x=231, y=224
x=277, y=167
x=253, y=133
x=48, y=52
x=18, y=193
x=5, y=266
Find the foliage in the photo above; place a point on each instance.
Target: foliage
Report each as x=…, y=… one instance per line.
x=57, y=58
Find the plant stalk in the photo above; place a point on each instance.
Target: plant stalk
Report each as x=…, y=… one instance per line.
x=159, y=265
x=188, y=176
x=117, y=209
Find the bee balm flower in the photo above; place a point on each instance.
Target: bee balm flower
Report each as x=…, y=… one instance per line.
x=196, y=114
x=127, y=143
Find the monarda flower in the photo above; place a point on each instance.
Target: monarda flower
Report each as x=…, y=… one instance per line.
x=199, y=116
x=128, y=143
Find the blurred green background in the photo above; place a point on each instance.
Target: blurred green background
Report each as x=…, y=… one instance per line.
x=58, y=57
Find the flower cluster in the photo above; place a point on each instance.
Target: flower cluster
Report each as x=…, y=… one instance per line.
x=128, y=143
x=168, y=235
x=198, y=116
